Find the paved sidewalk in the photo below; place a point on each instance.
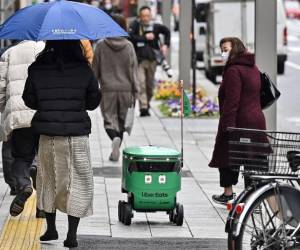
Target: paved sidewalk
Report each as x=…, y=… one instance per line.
x=203, y=220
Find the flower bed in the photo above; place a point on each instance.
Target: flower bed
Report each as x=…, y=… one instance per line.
x=169, y=94
x=166, y=90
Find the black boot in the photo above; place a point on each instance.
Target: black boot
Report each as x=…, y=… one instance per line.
x=51, y=233
x=144, y=112
x=71, y=240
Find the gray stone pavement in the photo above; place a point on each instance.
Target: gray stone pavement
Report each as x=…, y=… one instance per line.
x=203, y=219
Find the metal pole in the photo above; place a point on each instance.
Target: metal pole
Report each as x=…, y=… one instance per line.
x=194, y=61
x=266, y=47
x=185, y=23
x=181, y=83
x=166, y=18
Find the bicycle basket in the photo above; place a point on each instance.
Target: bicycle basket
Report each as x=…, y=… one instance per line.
x=262, y=152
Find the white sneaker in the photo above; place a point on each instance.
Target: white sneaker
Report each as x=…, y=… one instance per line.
x=115, y=153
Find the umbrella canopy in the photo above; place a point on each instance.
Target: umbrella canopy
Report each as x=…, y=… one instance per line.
x=60, y=20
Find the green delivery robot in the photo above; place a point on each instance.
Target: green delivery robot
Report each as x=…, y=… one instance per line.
x=151, y=177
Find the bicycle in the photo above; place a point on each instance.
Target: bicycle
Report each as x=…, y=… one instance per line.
x=266, y=215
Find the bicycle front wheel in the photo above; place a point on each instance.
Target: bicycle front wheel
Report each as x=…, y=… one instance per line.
x=263, y=226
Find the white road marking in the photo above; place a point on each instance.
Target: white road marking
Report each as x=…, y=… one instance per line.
x=293, y=65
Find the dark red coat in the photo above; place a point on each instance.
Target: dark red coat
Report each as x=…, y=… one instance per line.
x=239, y=100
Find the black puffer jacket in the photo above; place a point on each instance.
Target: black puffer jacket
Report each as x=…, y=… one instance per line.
x=61, y=98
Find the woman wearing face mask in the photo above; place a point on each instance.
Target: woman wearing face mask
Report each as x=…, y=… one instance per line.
x=239, y=99
x=109, y=8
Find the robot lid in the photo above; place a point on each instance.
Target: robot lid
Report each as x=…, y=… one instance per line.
x=151, y=152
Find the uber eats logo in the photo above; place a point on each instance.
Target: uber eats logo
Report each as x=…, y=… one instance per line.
x=161, y=179
x=156, y=194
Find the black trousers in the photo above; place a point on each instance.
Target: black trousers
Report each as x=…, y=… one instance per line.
x=24, y=148
x=229, y=178
x=7, y=162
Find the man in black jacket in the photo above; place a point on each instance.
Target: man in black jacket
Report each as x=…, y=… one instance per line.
x=144, y=34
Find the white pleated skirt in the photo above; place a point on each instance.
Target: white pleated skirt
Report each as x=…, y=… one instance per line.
x=65, y=177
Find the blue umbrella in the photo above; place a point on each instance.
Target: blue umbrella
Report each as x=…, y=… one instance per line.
x=60, y=20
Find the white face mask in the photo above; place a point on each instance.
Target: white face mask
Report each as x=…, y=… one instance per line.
x=225, y=56
x=108, y=6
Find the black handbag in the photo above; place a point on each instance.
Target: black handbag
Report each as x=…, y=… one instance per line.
x=268, y=92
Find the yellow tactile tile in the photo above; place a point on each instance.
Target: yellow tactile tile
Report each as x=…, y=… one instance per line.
x=23, y=232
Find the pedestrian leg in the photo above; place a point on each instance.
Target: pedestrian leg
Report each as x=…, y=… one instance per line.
x=143, y=100
x=115, y=145
x=7, y=162
x=228, y=178
x=111, y=133
x=23, y=150
x=24, y=145
x=39, y=187
x=71, y=240
x=150, y=77
x=51, y=232
x=125, y=101
x=109, y=109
